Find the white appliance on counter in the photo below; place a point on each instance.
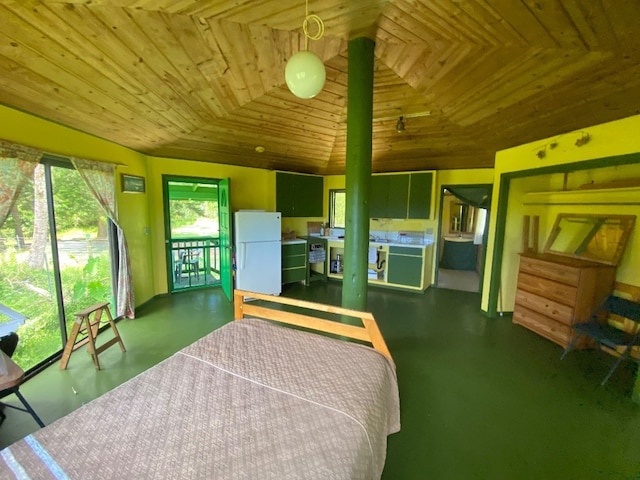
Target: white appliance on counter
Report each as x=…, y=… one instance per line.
x=258, y=249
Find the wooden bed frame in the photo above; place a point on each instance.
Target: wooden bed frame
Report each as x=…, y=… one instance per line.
x=248, y=397
x=368, y=332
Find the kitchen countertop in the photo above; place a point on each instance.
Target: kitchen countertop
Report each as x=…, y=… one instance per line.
x=380, y=243
x=293, y=241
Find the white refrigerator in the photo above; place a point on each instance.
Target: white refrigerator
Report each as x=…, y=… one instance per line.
x=257, y=239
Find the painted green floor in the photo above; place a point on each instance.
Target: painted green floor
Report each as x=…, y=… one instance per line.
x=481, y=398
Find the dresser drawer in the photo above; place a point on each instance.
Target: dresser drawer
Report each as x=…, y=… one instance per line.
x=549, y=308
x=559, y=292
x=547, y=327
x=558, y=272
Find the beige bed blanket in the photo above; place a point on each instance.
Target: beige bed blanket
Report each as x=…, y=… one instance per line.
x=251, y=400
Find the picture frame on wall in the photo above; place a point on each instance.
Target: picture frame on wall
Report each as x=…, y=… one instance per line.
x=132, y=183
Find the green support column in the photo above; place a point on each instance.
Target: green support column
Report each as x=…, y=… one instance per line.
x=358, y=173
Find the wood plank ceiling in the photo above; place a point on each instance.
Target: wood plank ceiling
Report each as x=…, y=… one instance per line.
x=204, y=79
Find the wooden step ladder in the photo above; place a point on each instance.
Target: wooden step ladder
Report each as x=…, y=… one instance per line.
x=85, y=325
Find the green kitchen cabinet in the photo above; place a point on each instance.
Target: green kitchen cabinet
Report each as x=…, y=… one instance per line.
x=294, y=262
x=405, y=266
x=388, y=198
x=398, y=192
x=378, y=196
x=299, y=195
x=420, y=185
x=285, y=194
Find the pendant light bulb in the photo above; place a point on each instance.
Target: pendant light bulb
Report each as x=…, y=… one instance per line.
x=305, y=74
x=400, y=125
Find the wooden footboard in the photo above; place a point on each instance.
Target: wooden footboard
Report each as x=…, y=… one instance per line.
x=368, y=332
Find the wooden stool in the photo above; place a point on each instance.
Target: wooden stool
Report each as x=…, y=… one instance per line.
x=90, y=328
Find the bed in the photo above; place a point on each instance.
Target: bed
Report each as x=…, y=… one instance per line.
x=252, y=400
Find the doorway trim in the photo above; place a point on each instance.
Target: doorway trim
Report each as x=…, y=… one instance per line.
x=195, y=243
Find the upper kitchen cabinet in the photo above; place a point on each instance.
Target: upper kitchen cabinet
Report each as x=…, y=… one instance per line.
x=299, y=195
x=401, y=196
x=378, y=196
x=389, y=196
x=420, y=185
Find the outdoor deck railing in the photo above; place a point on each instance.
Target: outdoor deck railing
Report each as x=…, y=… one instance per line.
x=195, y=261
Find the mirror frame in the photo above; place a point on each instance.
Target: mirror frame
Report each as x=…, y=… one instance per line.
x=627, y=223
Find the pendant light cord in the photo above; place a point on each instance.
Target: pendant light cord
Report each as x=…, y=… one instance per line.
x=308, y=20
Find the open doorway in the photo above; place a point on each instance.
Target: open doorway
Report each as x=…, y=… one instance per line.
x=192, y=233
x=462, y=238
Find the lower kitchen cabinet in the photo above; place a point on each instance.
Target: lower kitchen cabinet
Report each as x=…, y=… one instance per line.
x=294, y=261
x=405, y=266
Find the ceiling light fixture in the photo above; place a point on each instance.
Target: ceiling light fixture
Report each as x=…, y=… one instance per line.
x=400, y=127
x=427, y=113
x=305, y=73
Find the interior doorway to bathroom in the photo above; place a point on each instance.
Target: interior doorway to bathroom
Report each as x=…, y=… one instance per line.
x=461, y=242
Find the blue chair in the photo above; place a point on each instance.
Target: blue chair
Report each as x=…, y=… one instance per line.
x=186, y=260
x=191, y=260
x=11, y=375
x=607, y=335
x=10, y=384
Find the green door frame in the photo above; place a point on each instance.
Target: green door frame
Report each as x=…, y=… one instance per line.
x=485, y=234
x=226, y=250
x=225, y=274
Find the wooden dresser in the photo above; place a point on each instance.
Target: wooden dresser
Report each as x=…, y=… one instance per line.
x=554, y=292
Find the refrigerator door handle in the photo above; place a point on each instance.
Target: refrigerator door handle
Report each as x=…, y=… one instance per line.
x=242, y=255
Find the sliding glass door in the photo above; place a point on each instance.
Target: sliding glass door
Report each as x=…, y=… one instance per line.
x=55, y=259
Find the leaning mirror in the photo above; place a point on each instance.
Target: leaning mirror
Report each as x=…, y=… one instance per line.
x=599, y=238
x=463, y=218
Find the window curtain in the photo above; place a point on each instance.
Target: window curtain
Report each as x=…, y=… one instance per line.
x=100, y=178
x=17, y=163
